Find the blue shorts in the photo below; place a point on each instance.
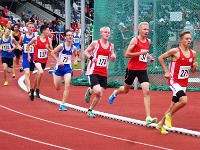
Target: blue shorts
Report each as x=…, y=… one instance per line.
x=27, y=64
x=61, y=71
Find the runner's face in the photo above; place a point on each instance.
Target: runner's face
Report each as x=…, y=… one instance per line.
x=30, y=28
x=144, y=30
x=16, y=28
x=9, y=24
x=186, y=40
x=46, y=32
x=69, y=36
x=7, y=32
x=105, y=33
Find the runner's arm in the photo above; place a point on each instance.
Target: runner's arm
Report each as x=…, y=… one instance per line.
x=55, y=51
x=128, y=53
x=32, y=42
x=195, y=63
x=89, y=49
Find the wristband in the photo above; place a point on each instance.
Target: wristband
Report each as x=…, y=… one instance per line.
x=91, y=57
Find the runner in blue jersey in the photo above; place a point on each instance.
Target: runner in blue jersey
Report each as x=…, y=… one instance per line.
x=8, y=45
x=77, y=43
x=64, y=54
x=27, y=66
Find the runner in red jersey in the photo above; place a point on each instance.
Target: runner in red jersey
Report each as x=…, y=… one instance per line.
x=41, y=44
x=182, y=60
x=137, y=51
x=99, y=52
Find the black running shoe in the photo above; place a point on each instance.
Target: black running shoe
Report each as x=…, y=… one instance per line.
x=37, y=93
x=31, y=94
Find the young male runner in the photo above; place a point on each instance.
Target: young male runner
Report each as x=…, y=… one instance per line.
x=183, y=59
x=99, y=52
x=64, y=54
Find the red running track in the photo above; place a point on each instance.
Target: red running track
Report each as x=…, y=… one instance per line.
x=37, y=124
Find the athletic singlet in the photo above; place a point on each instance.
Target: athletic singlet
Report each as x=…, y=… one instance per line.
x=26, y=40
x=101, y=66
x=65, y=56
x=40, y=50
x=139, y=62
x=180, y=69
x=6, y=45
x=76, y=40
x=17, y=37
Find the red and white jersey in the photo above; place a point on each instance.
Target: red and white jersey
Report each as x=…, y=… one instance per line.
x=101, y=66
x=40, y=50
x=179, y=69
x=139, y=62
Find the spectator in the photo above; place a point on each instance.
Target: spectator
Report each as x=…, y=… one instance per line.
x=2, y=20
x=75, y=9
x=5, y=12
x=60, y=27
x=24, y=17
x=33, y=18
x=189, y=27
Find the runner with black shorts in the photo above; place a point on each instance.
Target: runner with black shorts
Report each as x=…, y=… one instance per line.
x=137, y=51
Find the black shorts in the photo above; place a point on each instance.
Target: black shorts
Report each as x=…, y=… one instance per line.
x=8, y=61
x=132, y=74
x=18, y=53
x=42, y=64
x=95, y=79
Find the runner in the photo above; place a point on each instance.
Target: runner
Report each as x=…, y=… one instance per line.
x=137, y=51
x=41, y=44
x=7, y=53
x=99, y=52
x=183, y=59
x=77, y=43
x=28, y=66
x=63, y=54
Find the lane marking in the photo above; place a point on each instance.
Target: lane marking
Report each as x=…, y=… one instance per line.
x=44, y=143
x=84, y=130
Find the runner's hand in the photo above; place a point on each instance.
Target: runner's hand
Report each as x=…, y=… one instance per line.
x=167, y=75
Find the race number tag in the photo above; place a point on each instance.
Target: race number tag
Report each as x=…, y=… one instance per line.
x=102, y=61
x=143, y=57
x=76, y=40
x=6, y=47
x=31, y=48
x=42, y=53
x=66, y=59
x=184, y=72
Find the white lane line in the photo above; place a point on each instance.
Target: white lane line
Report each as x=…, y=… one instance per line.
x=23, y=137
x=92, y=132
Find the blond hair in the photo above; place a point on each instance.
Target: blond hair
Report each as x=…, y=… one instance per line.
x=102, y=28
x=142, y=23
x=182, y=33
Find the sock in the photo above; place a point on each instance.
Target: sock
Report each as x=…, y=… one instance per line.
x=89, y=109
x=169, y=114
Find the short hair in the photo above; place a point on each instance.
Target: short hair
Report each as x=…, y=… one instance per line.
x=143, y=23
x=105, y=27
x=17, y=24
x=43, y=27
x=182, y=33
x=29, y=23
x=67, y=30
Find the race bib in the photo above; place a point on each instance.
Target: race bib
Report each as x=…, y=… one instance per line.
x=143, y=57
x=31, y=48
x=6, y=47
x=102, y=61
x=42, y=53
x=66, y=59
x=76, y=40
x=184, y=72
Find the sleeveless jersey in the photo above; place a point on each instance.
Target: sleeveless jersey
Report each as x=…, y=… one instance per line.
x=17, y=37
x=76, y=40
x=6, y=45
x=101, y=66
x=65, y=56
x=40, y=51
x=139, y=62
x=26, y=40
x=180, y=69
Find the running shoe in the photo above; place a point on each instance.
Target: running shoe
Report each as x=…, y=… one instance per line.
x=31, y=94
x=112, y=97
x=150, y=120
x=161, y=129
x=13, y=75
x=5, y=83
x=62, y=107
x=90, y=114
x=168, y=121
x=87, y=95
x=21, y=69
x=37, y=93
